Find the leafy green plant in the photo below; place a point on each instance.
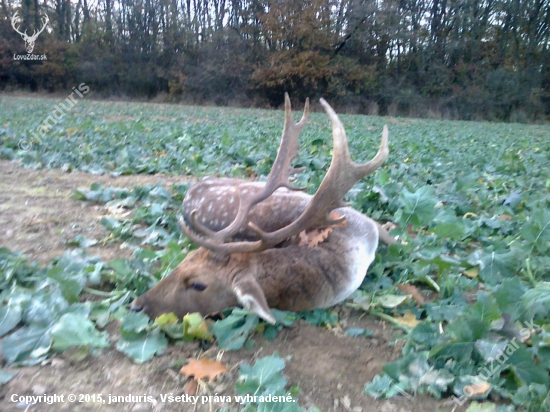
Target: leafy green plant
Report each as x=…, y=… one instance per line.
x=262, y=386
x=470, y=202
x=45, y=303
x=138, y=340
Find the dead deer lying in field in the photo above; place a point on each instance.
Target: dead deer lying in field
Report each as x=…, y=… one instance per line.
x=268, y=244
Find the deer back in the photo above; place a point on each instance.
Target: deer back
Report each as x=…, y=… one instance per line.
x=217, y=203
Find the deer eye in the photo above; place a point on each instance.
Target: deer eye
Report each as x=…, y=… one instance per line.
x=198, y=286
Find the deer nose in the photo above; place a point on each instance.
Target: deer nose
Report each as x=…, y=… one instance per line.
x=136, y=307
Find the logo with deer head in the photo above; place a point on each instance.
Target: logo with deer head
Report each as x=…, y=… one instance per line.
x=29, y=40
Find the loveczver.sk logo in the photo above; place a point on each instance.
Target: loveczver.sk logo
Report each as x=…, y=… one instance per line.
x=29, y=40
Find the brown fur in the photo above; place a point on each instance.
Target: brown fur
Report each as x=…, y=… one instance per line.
x=292, y=277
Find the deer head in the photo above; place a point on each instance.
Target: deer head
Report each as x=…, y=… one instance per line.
x=29, y=40
x=250, y=254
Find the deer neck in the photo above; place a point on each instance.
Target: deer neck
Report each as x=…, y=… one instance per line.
x=303, y=278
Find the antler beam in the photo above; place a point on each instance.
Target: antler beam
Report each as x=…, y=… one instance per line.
x=278, y=177
x=343, y=173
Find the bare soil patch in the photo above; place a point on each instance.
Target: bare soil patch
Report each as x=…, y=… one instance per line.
x=37, y=214
x=331, y=369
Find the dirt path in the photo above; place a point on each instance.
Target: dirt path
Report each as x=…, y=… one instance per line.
x=331, y=369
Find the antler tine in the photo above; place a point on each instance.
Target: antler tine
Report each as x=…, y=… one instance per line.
x=341, y=149
x=278, y=176
x=222, y=248
x=14, y=21
x=45, y=19
x=343, y=173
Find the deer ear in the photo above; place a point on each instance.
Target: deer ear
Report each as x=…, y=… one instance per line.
x=251, y=296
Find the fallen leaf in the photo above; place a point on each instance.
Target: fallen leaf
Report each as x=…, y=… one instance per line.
x=472, y=272
x=334, y=215
x=166, y=319
x=190, y=388
x=477, y=389
x=505, y=217
x=313, y=237
x=303, y=238
x=320, y=235
x=196, y=327
x=408, y=319
x=412, y=290
x=390, y=301
x=203, y=368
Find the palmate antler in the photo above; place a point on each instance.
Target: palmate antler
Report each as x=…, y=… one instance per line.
x=342, y=175
x=278, y=177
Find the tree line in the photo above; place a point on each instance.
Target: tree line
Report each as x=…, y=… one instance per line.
x=464, y=59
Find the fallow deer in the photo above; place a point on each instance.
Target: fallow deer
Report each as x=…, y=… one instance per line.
x=254, y=237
